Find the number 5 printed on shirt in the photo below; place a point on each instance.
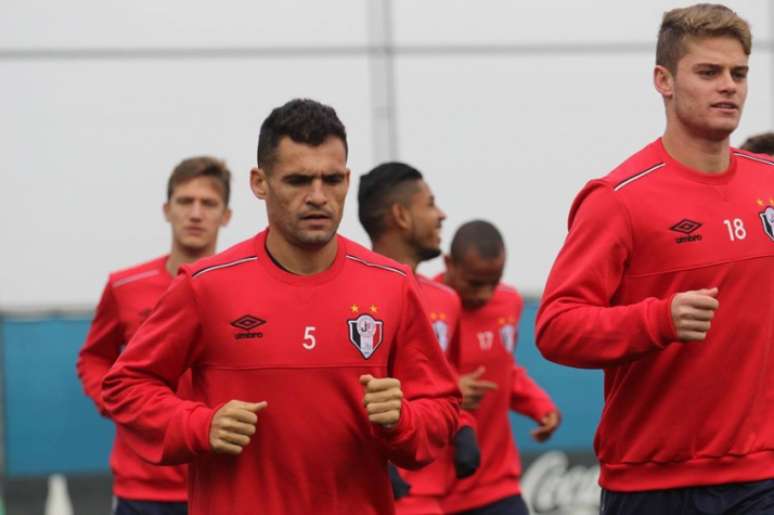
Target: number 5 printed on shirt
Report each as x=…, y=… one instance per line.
x=310, y=342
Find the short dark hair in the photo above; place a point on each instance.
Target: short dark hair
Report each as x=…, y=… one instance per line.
x=304, y=121
x=760, y=144
x=201, y=166
x=479, y=234
x=378, y=190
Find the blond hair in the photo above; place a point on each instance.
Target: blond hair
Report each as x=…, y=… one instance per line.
x=697, y=21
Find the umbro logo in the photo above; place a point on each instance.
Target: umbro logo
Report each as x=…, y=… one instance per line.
x=686, y=227
x=247, y=323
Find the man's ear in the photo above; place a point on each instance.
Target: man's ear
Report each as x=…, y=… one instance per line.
x=447, y=262
x=226, y=217
x=258, y=182
x=664, y=81
x=165, y=208
x=401, y=218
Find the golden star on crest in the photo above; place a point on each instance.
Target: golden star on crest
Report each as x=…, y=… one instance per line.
x=373, y=309
x=433, y=316
x=512, y=319
x=759, y=202
x=354, y=308
x=442, y=316
x=501, y=320
x=771, y=201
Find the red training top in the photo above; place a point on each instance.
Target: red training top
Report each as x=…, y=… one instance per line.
x=253, y=332
x=127, y=300
x=487, y=337
x=676, y=414
x=431, y=483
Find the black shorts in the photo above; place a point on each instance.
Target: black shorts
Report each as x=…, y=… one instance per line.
x=509, y=506
x=129, y=507
x=755, y=498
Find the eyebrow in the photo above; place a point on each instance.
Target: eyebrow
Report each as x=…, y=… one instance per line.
x=715, y=65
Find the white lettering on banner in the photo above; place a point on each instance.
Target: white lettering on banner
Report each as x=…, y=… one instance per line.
x=551, y=486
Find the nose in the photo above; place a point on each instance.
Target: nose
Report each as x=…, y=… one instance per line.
x=316, y=195
x=441, y=214
x=197, y=211
x=727, y=82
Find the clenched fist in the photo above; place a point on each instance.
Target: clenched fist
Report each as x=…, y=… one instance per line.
x=692, y=313
x=382, y=400
x=233, y=425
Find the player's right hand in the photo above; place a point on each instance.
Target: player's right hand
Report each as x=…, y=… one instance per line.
x=233, y=425
x=692, y=313
x=473, y=389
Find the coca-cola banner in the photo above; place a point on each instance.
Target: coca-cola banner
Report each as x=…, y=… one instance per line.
x=560, y=483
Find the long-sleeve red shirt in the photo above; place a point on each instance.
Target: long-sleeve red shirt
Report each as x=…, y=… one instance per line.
x=431, y=483
x=251, y=331
x=127, y=300
x=487, y=337
x=676, y=414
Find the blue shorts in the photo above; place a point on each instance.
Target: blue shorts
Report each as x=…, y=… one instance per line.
x=129, y=507
x=755, y=498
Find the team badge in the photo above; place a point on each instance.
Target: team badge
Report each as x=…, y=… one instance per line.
x=366, y=334
x=441, y=329
x=767, y=217
x=508, y=336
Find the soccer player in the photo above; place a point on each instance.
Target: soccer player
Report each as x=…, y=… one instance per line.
x=665, y=282
x=760, y=144
x=196, y=208
x=492, y=383
x=312, y=362
x=398, y=211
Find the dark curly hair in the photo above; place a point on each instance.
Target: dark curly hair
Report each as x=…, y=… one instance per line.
x=304, y=121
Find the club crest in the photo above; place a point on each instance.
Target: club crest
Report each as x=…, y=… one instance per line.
x=767, y=217
x=441, y=329
x=508, y=336
x=366, y=334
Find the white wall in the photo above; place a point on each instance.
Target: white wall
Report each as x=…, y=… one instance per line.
x=507, y=107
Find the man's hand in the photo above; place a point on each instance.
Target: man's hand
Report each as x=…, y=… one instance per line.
x=473, y=389
x=692, y=313
x=548, y=425
x=382, y=400
x=233, y=425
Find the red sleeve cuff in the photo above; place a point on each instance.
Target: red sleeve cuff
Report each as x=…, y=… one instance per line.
x=199, y=422
x=667, y=329
x=401, y=432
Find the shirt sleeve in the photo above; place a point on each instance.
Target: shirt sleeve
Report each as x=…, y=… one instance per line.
x=577, y=325
x=527, y=397
x=430, y=410
x=101, y=348
x=139, y=391
x=467, y=419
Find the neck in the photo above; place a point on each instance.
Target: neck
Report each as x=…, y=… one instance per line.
x=181, y=256
x=395, y=248
x=301, y=260
x=700, y=153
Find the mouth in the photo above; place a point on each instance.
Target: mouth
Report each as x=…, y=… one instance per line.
x=725, y=106
x=315, y=218
x=194, y=230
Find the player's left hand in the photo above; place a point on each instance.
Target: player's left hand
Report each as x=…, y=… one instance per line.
x=382, y=399
x=548, y=425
